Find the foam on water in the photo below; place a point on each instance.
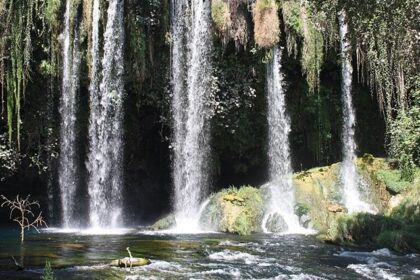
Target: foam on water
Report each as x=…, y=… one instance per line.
x=373, y=272
x=90, y=231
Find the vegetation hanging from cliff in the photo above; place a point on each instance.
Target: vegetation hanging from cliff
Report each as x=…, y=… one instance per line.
x=16, y=31
x=303, y=24
x=266, y=23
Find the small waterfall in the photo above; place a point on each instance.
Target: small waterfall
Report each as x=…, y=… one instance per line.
x=106, y=119
x=349, y=176
x=68, y=170
x=191, y=68
x=280, y=187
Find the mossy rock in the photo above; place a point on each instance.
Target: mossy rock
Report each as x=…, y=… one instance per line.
x=165, y=223
x=234, y=210
x=127, y=262
x=315, y=189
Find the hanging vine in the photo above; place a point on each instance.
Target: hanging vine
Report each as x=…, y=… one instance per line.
x=15, y=54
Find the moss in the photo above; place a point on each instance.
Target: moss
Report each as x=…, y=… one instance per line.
x=315, y=190
x=234, y=210
x=266, y=23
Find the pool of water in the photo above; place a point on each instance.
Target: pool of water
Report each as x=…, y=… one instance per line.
x=86, y=254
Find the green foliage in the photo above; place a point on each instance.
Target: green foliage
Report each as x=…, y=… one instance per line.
x=301, y=21
x=409, y=209
x=393, y=180
x=361, y=228
x=51, y=12
x=48, y=273
x=405, y=240
x=398, y=231
x=404, y=144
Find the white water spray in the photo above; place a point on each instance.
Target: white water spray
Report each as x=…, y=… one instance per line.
x=191, y=68
x=349, y=176
x=68, y=170
x=280, y=187
x=106, y=119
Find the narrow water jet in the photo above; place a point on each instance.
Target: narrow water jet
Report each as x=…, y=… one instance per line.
x=350, y=179
x=68, y=169
x=104, y=164
x=280, y=187
x=191, y=69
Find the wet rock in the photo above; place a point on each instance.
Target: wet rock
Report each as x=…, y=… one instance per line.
x=276, y=223
x=165, y=223
x=130, y=262
x=305, y=220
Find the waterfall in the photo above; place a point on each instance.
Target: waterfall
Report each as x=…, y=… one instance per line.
x=104, y=164
x=191, y=68
x=67, y=170
x=349, y=176
x=280, y=187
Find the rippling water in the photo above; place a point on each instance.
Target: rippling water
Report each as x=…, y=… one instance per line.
x=84, y=255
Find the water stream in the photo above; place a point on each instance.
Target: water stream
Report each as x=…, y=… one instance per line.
x=68, y=167
x=191, y=69
x=351, y=181
x=104, y=164
x=280, y=188
x=199, y=256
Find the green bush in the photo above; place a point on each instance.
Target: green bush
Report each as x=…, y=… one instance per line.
x=404, y=134
x=393, y=180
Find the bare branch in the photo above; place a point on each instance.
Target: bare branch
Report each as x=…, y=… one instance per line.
x=21, y=213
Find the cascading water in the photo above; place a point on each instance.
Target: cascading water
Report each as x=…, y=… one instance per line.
x=191, y=68
x=349, y=176
x=106, y=119
x=280, y=188
x=67, y=170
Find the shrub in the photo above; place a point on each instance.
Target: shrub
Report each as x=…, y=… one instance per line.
x=393, y=180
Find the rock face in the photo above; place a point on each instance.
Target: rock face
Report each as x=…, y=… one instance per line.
x=234, y=210
x=130, y=262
